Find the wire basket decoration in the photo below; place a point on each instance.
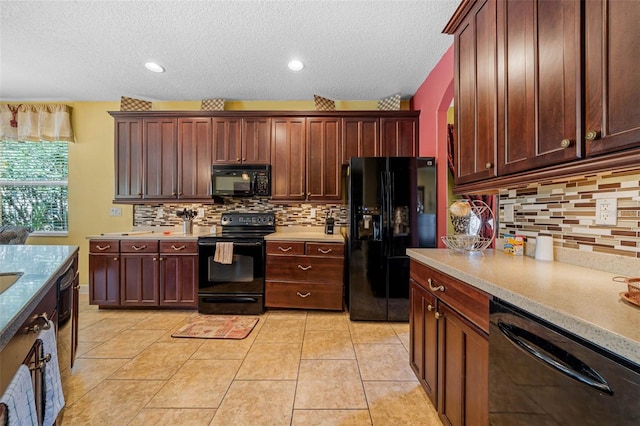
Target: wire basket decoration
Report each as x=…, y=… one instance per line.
x=469, y=218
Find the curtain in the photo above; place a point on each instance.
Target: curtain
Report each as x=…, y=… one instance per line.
x=51, y=122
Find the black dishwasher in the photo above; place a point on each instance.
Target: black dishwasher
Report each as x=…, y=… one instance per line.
x=540, y=374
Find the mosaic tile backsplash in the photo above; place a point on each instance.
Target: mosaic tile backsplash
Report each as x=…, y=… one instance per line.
x=566, y=210
x=286, y=214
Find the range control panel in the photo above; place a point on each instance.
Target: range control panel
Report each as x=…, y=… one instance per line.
x=248, y=219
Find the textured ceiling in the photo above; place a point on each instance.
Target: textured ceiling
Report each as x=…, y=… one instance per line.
x=232, y=49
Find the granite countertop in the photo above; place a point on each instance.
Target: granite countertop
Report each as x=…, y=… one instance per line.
x=581, y=300
x=159, y=233
x=40, y=265
x=305, y=233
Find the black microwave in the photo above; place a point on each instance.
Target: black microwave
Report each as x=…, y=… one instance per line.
x=247, y=180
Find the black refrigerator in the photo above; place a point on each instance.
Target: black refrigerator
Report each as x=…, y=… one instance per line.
x=392, y=205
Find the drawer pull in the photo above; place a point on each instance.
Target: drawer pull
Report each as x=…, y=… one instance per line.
x=101, y=248
x=304, y=268
x=432, y=288
x=307, y=294
x=178, y=248
x=285, y=249
x=138, y=248
x=325, y=251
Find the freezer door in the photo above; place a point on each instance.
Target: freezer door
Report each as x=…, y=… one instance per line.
x=398, y=284
x=367, y=281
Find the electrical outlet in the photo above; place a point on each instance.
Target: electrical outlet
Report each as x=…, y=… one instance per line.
x=201, y=212
x=509, y=213
x=313, y=214
x=115, y=211
x=159, y=213
x=607, y=211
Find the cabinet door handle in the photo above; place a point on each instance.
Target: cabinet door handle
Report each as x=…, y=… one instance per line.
x=488, y=165
x=307, y=294
x=592, y=135
x=325, y=251
x=138, y=248
x=237, y=159
x=35, y=327
x=155, y=258
x=103, y=248
x=41, y=364
x=115, y=258
x=565, y=143
x=438, y=315
x=178, y=248
x=432, y=288
x=430, y=308
x=285, y=249
x=304, y=268
x=244, y=159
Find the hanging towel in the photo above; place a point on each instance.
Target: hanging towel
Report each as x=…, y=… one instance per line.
x=53, y=396
x=224, y=253
x=20, y=399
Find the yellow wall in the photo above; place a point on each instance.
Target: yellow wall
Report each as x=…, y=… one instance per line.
x=91, y=166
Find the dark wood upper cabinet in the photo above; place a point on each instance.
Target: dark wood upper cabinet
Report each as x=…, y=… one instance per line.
x=324, y=169
x=399, y=137
x=565, y=85
x=159, y=155
x=288, y=158
x=538, y=84
x=128, y=158
x=167, y=155
x=195, y=155
x=256, y=140
x=227, y=140
x=476, y=94
x=612, y=49
x=360, y=137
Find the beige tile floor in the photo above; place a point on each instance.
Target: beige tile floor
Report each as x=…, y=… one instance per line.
x=295, y=368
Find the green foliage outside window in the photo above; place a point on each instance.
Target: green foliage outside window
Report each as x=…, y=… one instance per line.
x=33, y=185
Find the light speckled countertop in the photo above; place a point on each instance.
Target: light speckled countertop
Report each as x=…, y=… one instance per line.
x=305, y=233
x=40, y=264
x=160, y=233
x=583, y=301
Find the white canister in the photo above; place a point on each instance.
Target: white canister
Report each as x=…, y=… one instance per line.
x=544, y=247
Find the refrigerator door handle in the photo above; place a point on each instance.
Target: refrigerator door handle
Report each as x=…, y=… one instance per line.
x=383, y=216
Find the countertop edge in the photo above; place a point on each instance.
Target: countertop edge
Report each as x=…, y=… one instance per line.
x=605, y=338
x=13, y=327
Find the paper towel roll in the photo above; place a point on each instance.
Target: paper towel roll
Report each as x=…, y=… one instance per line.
x=544, y=247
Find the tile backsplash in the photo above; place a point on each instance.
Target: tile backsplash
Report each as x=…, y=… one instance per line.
x=566, y=210
x=286, y=214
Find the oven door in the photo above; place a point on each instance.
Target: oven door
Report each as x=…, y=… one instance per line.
x=235, y=288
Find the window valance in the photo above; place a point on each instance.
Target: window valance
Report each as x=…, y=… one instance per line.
x=36, y=122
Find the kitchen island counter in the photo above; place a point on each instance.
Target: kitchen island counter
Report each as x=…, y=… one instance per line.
x=41, y=265
x=581, y=300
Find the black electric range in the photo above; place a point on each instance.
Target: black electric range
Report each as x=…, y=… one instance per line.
x=237, y=287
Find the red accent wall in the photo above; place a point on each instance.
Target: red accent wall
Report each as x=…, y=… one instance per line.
x=433, y=99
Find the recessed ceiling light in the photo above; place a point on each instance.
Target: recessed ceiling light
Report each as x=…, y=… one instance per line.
x=152, y=66
x=295, y=65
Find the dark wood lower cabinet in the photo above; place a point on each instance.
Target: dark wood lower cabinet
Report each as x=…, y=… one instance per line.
x=136, y=273
x=448, y=352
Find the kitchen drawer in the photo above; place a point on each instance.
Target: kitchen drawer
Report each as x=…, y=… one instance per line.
x=467, y=300
x=285, y=247
x=303, y=295
x=139, y=246
x=325, y=249
x=178, y=247
x=104, y=246
x=305, y=268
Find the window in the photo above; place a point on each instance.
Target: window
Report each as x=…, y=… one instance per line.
x=33, y=185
